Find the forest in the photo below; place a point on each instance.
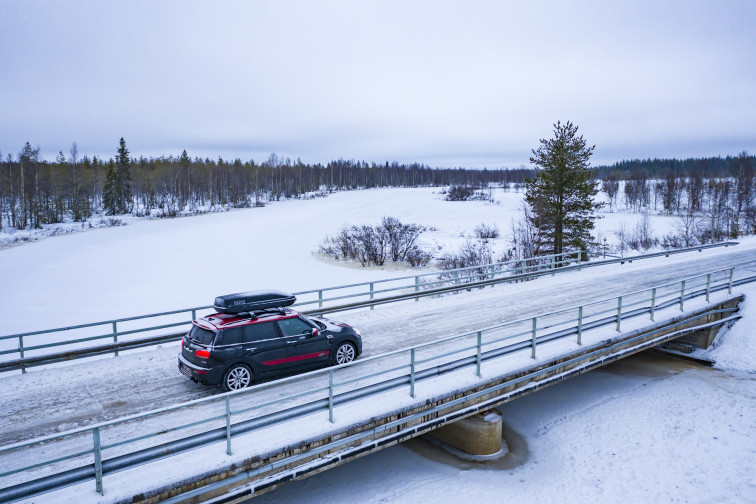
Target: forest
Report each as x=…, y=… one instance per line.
x=34, y=192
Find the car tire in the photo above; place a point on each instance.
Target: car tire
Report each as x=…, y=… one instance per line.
x=346, y=352
x=237, y=377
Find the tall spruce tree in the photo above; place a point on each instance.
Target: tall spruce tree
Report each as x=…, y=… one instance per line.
x=561, y=195
x=111, y=191
x=123, y=162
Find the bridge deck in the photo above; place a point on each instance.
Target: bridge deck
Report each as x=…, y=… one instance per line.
x=100, y=396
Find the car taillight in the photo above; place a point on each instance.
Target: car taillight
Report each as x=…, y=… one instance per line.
x=202, y=354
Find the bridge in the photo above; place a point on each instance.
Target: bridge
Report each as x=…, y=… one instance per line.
x=461, y=354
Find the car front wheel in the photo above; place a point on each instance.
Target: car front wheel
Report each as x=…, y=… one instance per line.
x=345, y=353
x=237, y=377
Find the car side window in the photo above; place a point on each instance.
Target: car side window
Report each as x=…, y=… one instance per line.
x=260, y=331
x=294, y=327
x=232, y=336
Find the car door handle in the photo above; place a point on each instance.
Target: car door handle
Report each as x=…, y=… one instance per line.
x=249, y=350
x=292, y=342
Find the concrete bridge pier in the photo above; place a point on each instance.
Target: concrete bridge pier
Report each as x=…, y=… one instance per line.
x=477, y=436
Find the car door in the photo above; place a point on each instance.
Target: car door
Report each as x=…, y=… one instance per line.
x=264, y=348
x=228, y=346
x=303, y=349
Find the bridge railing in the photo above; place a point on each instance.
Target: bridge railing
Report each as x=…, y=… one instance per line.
x=17, y=351
x=130, y=329
x=218, y=419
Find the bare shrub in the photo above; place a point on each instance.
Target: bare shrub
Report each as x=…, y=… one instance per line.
x=486, y=232
x=374, y=245
x=672, y=241
x=642, y=237
x=472, y=253
x=526, y=237
x=418, y=258
x=622, y=240
x=467, y=193
x=686, y=229
x=459, y=193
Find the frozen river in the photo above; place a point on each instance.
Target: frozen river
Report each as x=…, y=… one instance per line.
x=645, y=429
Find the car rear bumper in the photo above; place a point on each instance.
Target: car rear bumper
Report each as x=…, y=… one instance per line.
x=197, y=373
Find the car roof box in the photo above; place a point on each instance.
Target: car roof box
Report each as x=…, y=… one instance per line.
x=251, y=301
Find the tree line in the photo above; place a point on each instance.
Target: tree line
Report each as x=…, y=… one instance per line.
x=710, y=209
x=709, y=167
x=34, y=192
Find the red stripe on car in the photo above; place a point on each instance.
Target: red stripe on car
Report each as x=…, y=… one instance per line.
x=296, y=358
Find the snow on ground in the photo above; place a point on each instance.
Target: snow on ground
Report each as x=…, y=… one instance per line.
x=645, y=429
x=640, y=434
x=167, y=264
x=735, y=348
x=633, y=432
x=642, y=430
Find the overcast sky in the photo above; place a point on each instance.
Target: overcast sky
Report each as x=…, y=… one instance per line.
x=461, y=83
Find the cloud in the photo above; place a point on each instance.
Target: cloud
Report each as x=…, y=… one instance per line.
x=443, y=83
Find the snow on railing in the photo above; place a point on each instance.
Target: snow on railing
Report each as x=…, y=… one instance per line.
x=364, y=378
x=76, y=341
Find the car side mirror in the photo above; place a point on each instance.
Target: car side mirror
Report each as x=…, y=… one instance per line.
x=315, y=332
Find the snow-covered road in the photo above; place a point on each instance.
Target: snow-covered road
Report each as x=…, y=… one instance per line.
x=111, y=388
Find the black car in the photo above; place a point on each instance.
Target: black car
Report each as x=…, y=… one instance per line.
x=235, y=347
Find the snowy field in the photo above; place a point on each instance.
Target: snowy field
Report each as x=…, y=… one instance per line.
x=646, y=430
x=149, y=266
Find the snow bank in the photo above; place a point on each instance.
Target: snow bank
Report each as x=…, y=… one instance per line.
x=735, y=348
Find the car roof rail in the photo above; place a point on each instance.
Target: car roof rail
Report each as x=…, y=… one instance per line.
x=254, y=314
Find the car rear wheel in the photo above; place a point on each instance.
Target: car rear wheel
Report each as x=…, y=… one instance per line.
x=345, y=353
x=237, y=377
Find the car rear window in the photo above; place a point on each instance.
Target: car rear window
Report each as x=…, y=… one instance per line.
x=260, y=331
x=202, y=336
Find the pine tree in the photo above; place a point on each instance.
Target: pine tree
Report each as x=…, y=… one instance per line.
x=111, y=191
x=125, y=198
x=561, y=195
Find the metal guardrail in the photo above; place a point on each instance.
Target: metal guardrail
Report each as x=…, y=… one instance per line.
x=421, y=283
x=501, y=339
x=424, y=285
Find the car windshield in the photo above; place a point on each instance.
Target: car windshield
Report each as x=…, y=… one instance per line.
x=316, y=322
x=202, y=336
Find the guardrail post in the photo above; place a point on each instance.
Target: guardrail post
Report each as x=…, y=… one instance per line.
x=708, y=284
x=97, y=460
x=115, y=336
x=417, y=287
x=553, y=265
x=653, y=302
x=580, y=258
x=412, y=373
x=533, y=340
x=21, y=352
x=493, y=274
x=456, y=277
x=194, y=314
x=522, y=267
x=228, y=426
x=477, y=357
x=682, y=294
x=619, y=312
x=580, y=325
x=729, y=288
x=330, y=395
x=320, y=299
x=372, y=294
